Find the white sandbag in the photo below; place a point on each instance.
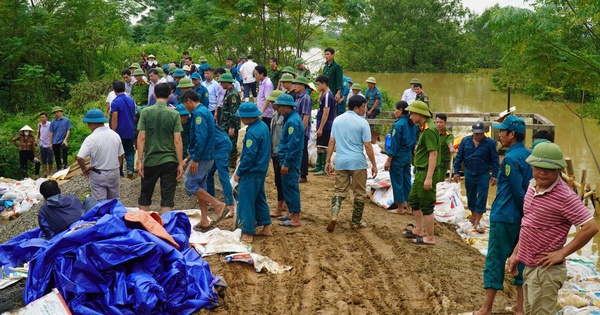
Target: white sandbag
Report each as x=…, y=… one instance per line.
x=387, y=200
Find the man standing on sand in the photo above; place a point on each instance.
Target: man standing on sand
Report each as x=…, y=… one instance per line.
x=507, y=210
x=325, y=116
x=550, y=208
x=265, y=86
x=276, y=131
x=479, y=155
x=252, y=172
x=122, y=112
x=422, y=193
x=160, y=150
x=290, y=149
x=104, y=148
x=349, y=134
x=43, y=137
x=304, y=108
x=60, y=130
x=247, y=72
x=201, y=149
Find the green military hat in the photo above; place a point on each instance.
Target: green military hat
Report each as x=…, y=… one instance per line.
x=356, y=86
x=419, y=108
x=56, y=109
x=273, y=96
x=538, y=141
x=414, y=80
x=547, y=155
x=301, y=80
x=172, y=69
x=185, y=83
x=288, y=69
x=138, y=71
x=160, y=71
x=371, y=80
x=243, y=56
x=286, y=77
x=298, y=61
x=202, y=59
x=226, y=77
x=135, y=65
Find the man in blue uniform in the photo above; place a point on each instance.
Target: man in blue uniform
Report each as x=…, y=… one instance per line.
x=290, y=149
x=404, y=138
x=304, y=108
x=200, y=89
x=201, y=149
x=222, y=150
x=344, y=97
x=373, y=96
x=251, y=173
x=507, y=211
x=479, y=155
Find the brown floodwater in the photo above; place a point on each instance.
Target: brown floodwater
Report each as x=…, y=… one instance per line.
x=475, y=93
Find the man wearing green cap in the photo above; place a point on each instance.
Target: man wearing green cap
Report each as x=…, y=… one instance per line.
x=276, y=129
x=251, y=173
x=290, y=149
x=274, y=73
x=550, y=208
x=373, y=96
x=409, y=94
x=334, y=72
x=140, y=88
x=506, y=212
x=286, y=82
x=301, y=69
x=184, y=85
x=105, y=150
x=304, y=108
x=422, y=193
x=227, y=119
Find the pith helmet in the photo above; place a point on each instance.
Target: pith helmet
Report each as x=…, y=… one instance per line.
x=94, y=116
x=185, y=83
x=135, y=65
x=138, y=71
x=478, y=127
x=274, y=94
x=286, y=77
x=547, y=155
x=226, y=77
x=298, y=61
x=419, y=108
x=371, y=80
x=288, y=69
x=414, y=80
x=301, y=80
x=248, y=110
x=285, y=99
x=356, y=86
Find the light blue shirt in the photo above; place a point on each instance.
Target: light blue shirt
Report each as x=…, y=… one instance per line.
x=213, y=93
x=350, y=132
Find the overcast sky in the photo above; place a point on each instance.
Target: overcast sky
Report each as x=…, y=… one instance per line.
x=479, y=6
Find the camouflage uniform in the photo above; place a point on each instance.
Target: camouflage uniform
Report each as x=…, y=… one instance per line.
x=228, y=120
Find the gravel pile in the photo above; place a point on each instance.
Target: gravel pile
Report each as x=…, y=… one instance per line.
x=79, y=186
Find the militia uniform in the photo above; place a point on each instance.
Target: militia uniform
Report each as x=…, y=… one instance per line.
x=404, y=138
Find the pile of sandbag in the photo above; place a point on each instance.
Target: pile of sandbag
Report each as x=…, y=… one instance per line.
x=448, y=205
x=18, y=196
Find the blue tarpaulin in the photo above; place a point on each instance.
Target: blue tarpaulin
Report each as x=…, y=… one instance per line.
x=102, y=266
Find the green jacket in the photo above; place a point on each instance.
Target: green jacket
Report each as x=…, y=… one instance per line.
x=335, y=74
x=139, y=91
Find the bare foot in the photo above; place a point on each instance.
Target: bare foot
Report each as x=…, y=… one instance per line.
x=266, y=231
x=482, y=312
x=275, y=214
x=247, y=238
x=231, y=211
x=397, y=211
x=219, y=209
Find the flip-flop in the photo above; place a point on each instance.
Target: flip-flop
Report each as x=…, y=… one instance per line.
x=203, y=229
x=412, y=226
x=410, y=234
x=223, y=215
x=287, y=223
x=284, y=218
x=421, y=241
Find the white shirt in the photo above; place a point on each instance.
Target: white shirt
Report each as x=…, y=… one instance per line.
x=128, y=86
x=111, y=96
x=409, y=96
x=103, y=147
x=247, y=71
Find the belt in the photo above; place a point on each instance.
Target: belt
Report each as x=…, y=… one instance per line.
x=98, y=171
x=422, y=168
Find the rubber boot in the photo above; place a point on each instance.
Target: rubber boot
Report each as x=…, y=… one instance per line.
x=318, y=163
x=322, y=156
x=336, y=205
x=357, y=213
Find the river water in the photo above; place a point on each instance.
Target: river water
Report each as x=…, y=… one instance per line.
x=475, y=93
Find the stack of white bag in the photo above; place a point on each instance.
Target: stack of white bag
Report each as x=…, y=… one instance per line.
x=448, y=206
x=24, y=193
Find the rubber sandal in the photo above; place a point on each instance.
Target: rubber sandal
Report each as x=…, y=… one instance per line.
x=421, y=241
x=287, y=223
x=410, y=234
x=412, y=226
x=223, y=215
x=284, y=217
x=203, y=229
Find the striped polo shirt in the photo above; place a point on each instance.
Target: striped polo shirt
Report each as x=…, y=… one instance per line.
x=547, y=218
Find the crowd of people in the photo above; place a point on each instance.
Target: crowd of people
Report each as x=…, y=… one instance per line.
x=184, y=120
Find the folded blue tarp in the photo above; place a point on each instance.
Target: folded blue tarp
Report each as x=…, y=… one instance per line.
x=101, y=266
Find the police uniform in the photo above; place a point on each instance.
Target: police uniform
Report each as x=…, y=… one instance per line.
x=404, y=138
x=290, y=149
x=446, y=138
x=429, y=140
x=423, y=98
x=222, y=149
x=252, y=170
x=228, y=119
x=139, y=91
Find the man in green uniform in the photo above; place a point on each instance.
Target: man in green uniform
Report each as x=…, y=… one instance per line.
x=422, y=193
x=301, y=68
x=228, y=121
x=418, y=87
x=446, y=146
x=274, y=73
x=139, y=89
x=334, y=72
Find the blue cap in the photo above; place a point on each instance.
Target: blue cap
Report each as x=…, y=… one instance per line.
x=179, y=73
x=181, y=109
x=248, y=110
x=349, y=79
x=285, y=99
x=94, y=116
x=512, y=123
x=195, y=76
x=165, y=67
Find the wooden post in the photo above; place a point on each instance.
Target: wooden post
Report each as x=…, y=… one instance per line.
x=582, y=183
x=570, y=172
x=596, y=199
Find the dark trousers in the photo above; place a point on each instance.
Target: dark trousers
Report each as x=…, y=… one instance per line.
x=277, y=173
x=60, y=150
x=268, y=122
x=129, y=156
x=248, y=87
x=25, y=156
x=304, y=166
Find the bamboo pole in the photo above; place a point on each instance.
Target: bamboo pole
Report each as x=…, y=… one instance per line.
x=582, y=183
x=596, y=198
x=570, y=172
